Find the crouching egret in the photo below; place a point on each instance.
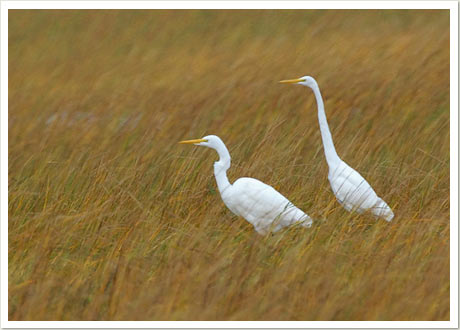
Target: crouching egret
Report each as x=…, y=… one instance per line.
x=261, y=205
x=349, y=187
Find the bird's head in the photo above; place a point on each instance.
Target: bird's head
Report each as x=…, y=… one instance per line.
x=305, y=81
x=210, y=141
x=214, y=142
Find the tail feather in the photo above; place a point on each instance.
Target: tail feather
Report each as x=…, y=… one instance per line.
x=382, y=210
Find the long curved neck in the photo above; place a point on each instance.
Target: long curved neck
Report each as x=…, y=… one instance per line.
x=221, y=167
x=329, y=150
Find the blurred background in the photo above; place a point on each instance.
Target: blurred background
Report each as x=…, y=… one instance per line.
x=111, y=219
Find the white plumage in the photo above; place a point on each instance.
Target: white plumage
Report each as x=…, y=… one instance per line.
x=349, y=187
x=260, y=204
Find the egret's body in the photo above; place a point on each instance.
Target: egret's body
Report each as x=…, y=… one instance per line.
x=349, y=187
x=260, y=204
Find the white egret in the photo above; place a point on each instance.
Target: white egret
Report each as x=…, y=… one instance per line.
x=260, y=204
x=349, y=187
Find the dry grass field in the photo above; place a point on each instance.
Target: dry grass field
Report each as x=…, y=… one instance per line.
x=111, y=219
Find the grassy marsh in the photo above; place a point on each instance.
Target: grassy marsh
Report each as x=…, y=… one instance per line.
x=111, y=219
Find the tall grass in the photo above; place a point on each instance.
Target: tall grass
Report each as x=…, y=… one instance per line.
x=111, y=219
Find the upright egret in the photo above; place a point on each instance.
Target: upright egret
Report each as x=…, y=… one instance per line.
x=261, y=205
x=349, y=187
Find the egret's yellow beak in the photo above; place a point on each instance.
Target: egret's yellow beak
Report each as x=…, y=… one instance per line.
x=193, y=141
x=292, y=81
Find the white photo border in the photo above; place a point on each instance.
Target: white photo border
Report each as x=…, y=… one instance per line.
x=449, y=5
